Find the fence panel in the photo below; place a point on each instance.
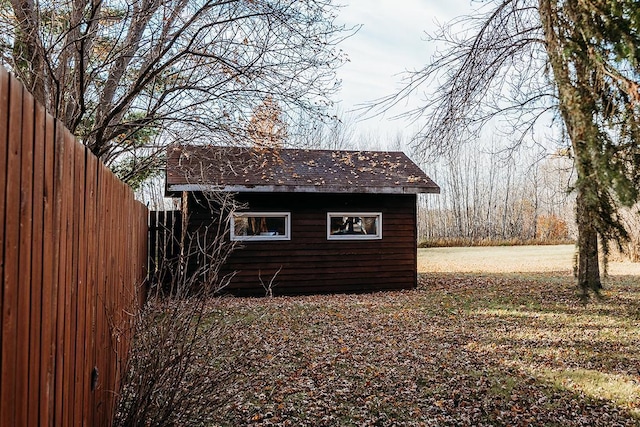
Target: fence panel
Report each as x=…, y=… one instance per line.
x=164, y=247
x=73, y=257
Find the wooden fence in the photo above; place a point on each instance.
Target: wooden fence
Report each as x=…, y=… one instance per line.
x=165, y=229
x=72, y=262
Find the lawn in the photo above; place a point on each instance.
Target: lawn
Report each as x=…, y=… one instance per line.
x=509, y=259
x=464, y=348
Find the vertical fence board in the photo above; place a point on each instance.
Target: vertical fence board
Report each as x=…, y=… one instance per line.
x=59, y=229
x=152, y=239
x=84, y=311
x=60, y=207
x=72, y=251
x=24, y=273
x=78, y=285
x=110, y=316
x=35, y=332
x=143, y=254
x=113, y=275
x=101, y=327
x=90, y=227
x=118, y=315
x=100, y=266
x=11, y=239
x=65, y=235
x=70, y=284
x=49, y=280
x=4, y=144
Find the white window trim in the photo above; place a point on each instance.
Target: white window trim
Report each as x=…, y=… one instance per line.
x=287, y=226
x=377, y=236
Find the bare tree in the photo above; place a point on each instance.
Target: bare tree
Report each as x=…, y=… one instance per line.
x=126, y=77
x=332, y=132
x=485, y=199
x=528, y=60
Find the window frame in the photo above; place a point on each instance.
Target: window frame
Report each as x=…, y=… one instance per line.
x=279, y=237
x=377, y=236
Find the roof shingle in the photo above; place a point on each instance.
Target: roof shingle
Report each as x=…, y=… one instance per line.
x=198, y=168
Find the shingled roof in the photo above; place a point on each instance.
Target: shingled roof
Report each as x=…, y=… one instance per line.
x=236, y=169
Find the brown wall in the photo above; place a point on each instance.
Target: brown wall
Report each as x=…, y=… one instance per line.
x=73, y=249
x=310, y=263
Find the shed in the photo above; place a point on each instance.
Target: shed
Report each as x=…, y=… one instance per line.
x=313, y=220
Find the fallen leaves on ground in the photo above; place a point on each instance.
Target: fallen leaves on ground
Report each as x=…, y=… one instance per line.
x=475, y=350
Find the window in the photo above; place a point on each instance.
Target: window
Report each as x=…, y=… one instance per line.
x=354, y=225
x=261, y=226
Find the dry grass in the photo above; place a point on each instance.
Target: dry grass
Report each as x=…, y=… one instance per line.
x=508, y=259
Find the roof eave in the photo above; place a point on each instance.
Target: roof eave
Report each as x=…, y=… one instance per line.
x=176, y=189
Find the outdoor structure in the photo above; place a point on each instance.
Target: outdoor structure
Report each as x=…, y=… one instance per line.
x=312, y=220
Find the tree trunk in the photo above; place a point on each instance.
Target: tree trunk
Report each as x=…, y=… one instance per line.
x=27, y=49
x=577, y=109
x=588, y=266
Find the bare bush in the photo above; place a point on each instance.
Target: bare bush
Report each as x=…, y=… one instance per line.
x=177, y=366
x=268, y=287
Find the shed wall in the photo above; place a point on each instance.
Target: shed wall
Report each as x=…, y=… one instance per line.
x=309, y=263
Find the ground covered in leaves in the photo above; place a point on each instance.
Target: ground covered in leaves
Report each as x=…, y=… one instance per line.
x=462, y=349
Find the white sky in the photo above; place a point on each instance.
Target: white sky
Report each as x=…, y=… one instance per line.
x=391, y=40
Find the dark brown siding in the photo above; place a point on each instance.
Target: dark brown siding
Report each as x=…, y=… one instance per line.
x=309, y=263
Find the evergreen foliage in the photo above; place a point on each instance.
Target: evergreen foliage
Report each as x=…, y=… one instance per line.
x=592, y=49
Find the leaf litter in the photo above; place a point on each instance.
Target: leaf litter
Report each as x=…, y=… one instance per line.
x=461, y=350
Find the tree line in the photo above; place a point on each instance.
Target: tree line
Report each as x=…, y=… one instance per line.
x=486, y=199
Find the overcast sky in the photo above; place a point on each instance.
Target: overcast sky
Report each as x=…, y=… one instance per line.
x=390, y=41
